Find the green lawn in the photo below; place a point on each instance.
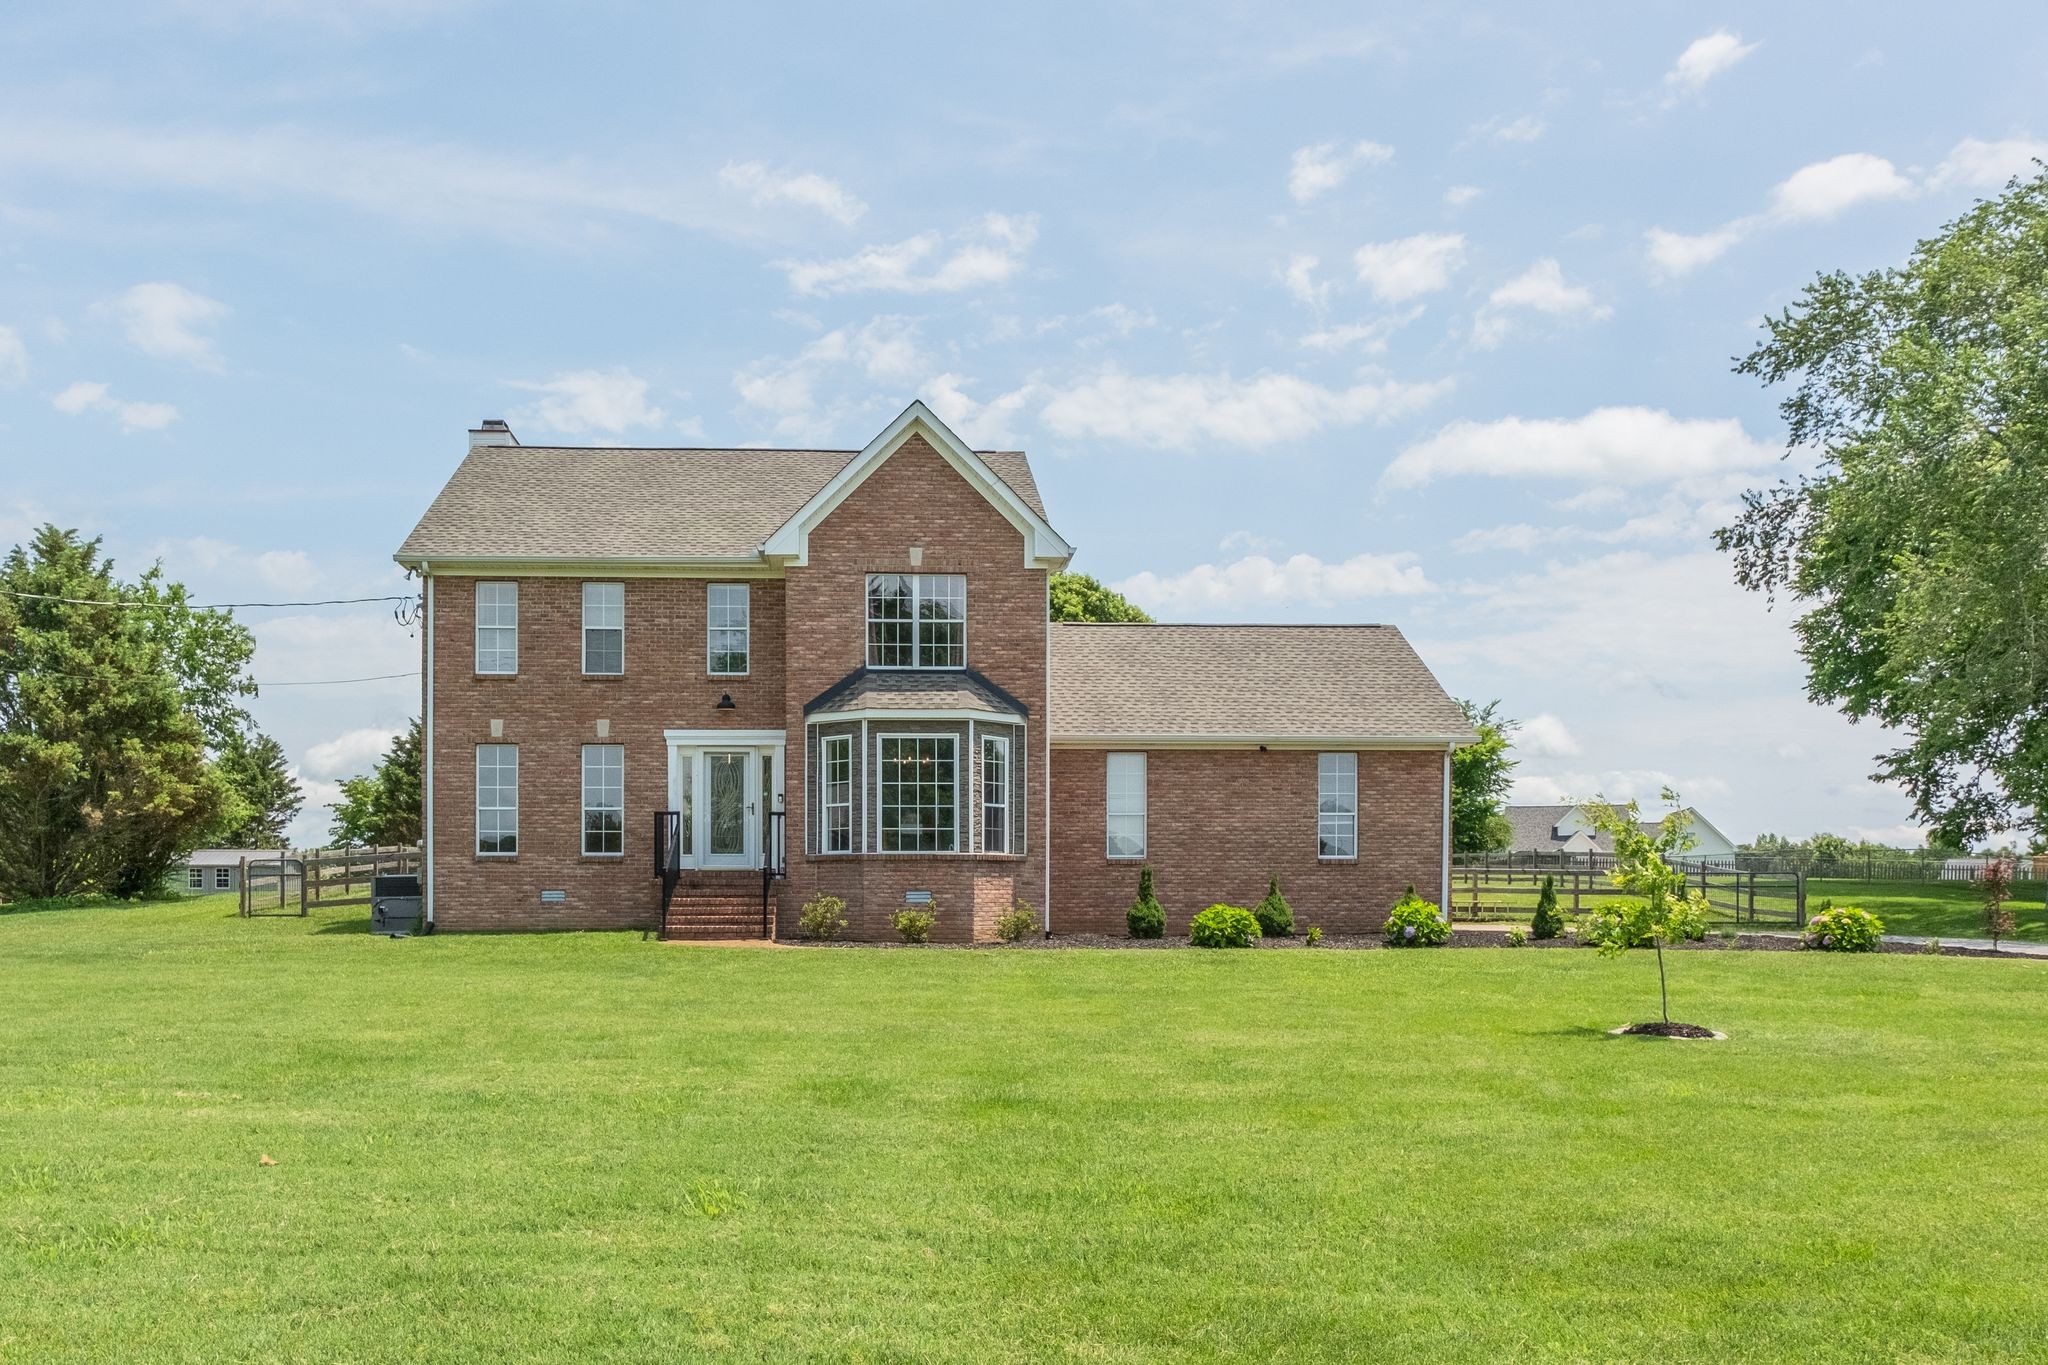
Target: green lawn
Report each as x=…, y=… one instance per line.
x=592, y=1147
x=1937, y=909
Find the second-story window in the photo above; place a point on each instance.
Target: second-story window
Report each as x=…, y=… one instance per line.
x=497, y=627
x=726, y=641
x=604, y=628
x=917, y=620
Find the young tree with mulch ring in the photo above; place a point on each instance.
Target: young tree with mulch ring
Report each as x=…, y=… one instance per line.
x=1665, y=910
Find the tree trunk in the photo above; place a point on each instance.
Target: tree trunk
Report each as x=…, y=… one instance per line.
x=1663, y=990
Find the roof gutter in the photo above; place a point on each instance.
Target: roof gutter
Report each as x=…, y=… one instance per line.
x=1254, y=741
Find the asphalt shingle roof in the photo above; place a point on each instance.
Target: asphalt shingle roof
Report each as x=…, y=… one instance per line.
x=582, y=502
x=887, y=689
x=1266, y=682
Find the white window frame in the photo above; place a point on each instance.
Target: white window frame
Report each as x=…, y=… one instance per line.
x=195, y=879
x=1000, y=746
x=920, y=592
x=826, y=805
x=717, y=627
x=882, y=742
x=498, y=619
x=611, y=763
x=498, y=790
x=602, y=609
x=223, y=879
x=1112, y=797
x=1337, y=782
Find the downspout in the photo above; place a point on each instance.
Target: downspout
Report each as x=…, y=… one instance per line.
x=427, y=765
x=1445, y=903
x=1045, y=779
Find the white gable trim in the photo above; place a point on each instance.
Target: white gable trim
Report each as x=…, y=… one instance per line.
x=1043, y=547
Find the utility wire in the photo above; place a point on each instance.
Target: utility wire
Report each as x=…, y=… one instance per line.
x=303, y=682
x=202, y=606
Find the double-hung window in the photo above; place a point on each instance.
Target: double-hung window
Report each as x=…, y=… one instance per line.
x=835, y=766
x=1337, y=805
x=195, y=879
x=497, y=627
x=726, y=635
x=604, y=628
x=497, y=799
x=919, y=808
x=1126, y=805
x=995, y=794
x=604, y=798
x=223, y=879
x=917, y=620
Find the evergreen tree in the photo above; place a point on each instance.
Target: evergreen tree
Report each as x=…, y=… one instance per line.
x=1274, y=914
x=1547, y=922
x=1146, y=918
x=384, y=806
x=267, y=796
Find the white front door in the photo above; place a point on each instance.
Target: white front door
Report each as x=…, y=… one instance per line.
x=730, y=790
x=724, y=794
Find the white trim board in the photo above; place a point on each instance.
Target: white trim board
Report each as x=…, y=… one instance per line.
x=1430, y=742
x=1043, y=546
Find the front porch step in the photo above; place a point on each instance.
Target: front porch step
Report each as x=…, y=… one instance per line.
x=714, y=913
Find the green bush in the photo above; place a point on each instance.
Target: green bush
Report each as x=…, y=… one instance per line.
x=1315, y=934
x=1224, y=926
x=1016, y=924
x=1844, y=929
x=1517, y=936
x=1415, y=923
x=1547, y=923
x=914, y=925
x=1147, y=918
x=1274, y=914
x=822, y=916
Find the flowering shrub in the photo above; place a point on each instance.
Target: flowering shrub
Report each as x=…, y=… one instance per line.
x=1844, y=929
x=1224, y=926
x=822, y=916
x=1014, y=925
x=1416, y=923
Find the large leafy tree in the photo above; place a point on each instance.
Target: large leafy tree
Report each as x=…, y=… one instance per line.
x=110, y=695
x=267, y=796
x=1078, y=597
x=1916, y=549
x=1480, y=777
x=384, y=805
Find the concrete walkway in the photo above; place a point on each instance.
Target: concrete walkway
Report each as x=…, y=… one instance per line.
x=2007, y=947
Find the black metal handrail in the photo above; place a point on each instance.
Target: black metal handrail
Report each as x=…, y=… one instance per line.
x=668, y=860
x=774, y=862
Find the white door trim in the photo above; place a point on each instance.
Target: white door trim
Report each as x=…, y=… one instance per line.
x=766, y=751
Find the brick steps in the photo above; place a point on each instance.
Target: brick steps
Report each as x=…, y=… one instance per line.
x=708, y=912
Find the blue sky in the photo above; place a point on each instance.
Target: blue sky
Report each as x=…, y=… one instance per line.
x=1326, y=315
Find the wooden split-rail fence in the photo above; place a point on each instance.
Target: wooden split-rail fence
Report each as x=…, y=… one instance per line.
x=297, y=883
x=1492, y=891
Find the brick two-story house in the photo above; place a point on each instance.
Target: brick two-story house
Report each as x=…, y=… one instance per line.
x=692, y=689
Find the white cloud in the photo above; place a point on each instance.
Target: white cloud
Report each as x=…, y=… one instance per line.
x=1703, y=60
x=589, y=402
x=437, y=185
x=1370, y=337
x=165, y=320
x=1678, y=253
x=1540, y=289
x=805, y=190
x=1256, y=581
x=347, y=755
x=1189, y=409
x=85, y=396
x=1643, y=785
x=1633, y=445
x=1302, y=286
x=1979, y=165
x=1409, y=267
x=1247, y=541
x=1319, y=169
x=982, y=425
x=286, y=570
x=1826, y=188
x=1501, y=128
x=991, y=252
x=1518, y=535
x=1545, y=736
x=13, y=357
x=883, y=351
x=1457, y=196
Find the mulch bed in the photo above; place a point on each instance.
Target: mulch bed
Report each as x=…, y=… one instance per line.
x=1460, y=938
x=1664, y=1030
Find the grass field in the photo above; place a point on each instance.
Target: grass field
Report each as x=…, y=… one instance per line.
x=592, y=1147
x=1936, y=909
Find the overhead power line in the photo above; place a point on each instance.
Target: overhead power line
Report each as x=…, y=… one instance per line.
x=203, y=606
x=299, y=682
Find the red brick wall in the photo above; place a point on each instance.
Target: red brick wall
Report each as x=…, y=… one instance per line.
x=550, y=710
x=915, y=499
x=1219, y=821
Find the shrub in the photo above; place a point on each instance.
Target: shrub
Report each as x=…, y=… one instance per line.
x=1517, y=936
x=914, y=924
x=1274, y=914
x=1147, y=918
x=1017, y=923
x=822, y=916
x=1416, y=923
x=1844, y=929
x=1547, y=923
x=1315, y=934
x=1224, y=926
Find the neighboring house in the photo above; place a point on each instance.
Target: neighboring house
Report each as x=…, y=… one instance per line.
x=837, y=665
x=1564, y=829
x=205, y=871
